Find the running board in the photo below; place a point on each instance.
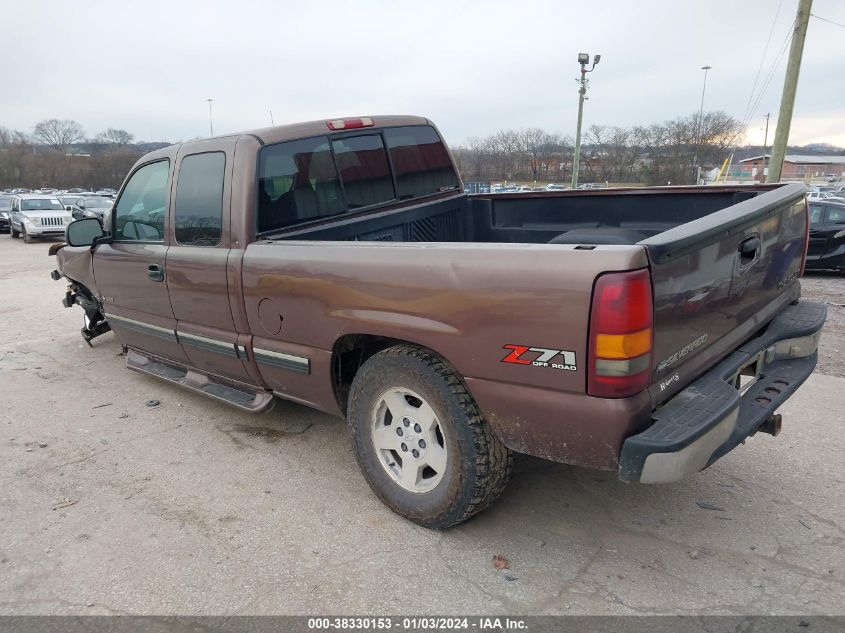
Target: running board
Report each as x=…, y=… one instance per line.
x=237, y=395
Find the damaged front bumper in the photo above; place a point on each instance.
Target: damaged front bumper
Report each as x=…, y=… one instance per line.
x=719, y=411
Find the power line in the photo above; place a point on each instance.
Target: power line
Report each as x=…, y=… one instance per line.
x=818, y=17
x=784, y=47
x=746, y=120
x=762, y=60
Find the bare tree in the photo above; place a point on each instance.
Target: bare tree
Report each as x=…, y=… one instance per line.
x=58, y=134
x=534, y=141
x=115, y=137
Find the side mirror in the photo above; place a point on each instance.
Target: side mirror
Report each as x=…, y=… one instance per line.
x=84, y=232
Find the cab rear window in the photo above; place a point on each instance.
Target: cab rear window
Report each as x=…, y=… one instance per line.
x=364, y=170
x=420, y=161
x=316, y=178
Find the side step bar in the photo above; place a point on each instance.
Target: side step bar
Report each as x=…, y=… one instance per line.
x=235, y=394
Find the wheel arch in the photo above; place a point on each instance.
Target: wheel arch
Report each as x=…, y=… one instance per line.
x=350, y=351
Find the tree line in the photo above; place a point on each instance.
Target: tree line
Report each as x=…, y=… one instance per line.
x=59, y=154
x=654, y=154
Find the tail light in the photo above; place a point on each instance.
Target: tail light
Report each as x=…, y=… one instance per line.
x=621, y=335
x=806, y=237
x=349, y=124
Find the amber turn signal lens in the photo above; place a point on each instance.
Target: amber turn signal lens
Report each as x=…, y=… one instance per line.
x=623, y=345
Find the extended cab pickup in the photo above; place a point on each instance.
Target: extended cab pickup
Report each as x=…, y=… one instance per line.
x=340, y=265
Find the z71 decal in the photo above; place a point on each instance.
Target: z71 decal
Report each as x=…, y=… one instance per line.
x=540, y=357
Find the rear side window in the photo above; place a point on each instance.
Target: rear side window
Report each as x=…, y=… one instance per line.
x=420, y=161
x=364, y=170
x=297, y=182
x=199, y=199
x=815, y=214
x=835, y=216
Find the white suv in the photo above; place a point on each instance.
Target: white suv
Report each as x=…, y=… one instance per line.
x=34, y=216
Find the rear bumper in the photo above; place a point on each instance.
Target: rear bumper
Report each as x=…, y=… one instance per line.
x=712, y=416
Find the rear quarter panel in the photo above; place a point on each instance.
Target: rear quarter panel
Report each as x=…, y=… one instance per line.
x=464, y=301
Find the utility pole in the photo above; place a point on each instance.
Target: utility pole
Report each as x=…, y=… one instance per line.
x=210, y=123
x=583, y=59
x=790, y=86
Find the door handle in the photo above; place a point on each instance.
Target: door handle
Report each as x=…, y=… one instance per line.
x=748, y=248
x=155, y=272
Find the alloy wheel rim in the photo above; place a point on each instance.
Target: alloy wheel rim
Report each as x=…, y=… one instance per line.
x=408, y=440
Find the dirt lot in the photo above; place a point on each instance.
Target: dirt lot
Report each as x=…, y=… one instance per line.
x=110, y=506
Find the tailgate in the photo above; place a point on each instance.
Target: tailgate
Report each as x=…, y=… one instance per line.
x=719, y=279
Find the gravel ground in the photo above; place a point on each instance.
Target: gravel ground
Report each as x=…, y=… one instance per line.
x=108, y=506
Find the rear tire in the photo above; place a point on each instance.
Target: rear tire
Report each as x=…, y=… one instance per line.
x=408, y=410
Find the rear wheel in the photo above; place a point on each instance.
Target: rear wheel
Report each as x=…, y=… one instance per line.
x=420, y=440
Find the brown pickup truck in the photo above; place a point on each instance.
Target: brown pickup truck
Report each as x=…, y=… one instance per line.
x=340, y=265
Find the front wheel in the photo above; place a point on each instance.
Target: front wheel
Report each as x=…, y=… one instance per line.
x=15, y=234
x=27, y=238
x=420, y=440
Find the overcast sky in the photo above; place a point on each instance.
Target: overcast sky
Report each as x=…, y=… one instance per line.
x=473, y=67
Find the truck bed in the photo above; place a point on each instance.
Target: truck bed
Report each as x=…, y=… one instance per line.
x=709, y=294
x=610, y=216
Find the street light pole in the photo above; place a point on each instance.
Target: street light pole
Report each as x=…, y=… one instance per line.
x=695, y=166
x=583, y=59
x=766, y=135
x=210, y=123
x=765, y=145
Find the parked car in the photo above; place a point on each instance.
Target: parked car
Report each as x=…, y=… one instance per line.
x=87, y=206
x=345, y=269
x=34, y=216
x=554, y=186
x=819, y=195
x=827, y=236
x=5, y=209
x=833, y=177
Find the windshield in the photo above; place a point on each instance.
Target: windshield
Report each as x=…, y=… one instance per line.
x=40, y=204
